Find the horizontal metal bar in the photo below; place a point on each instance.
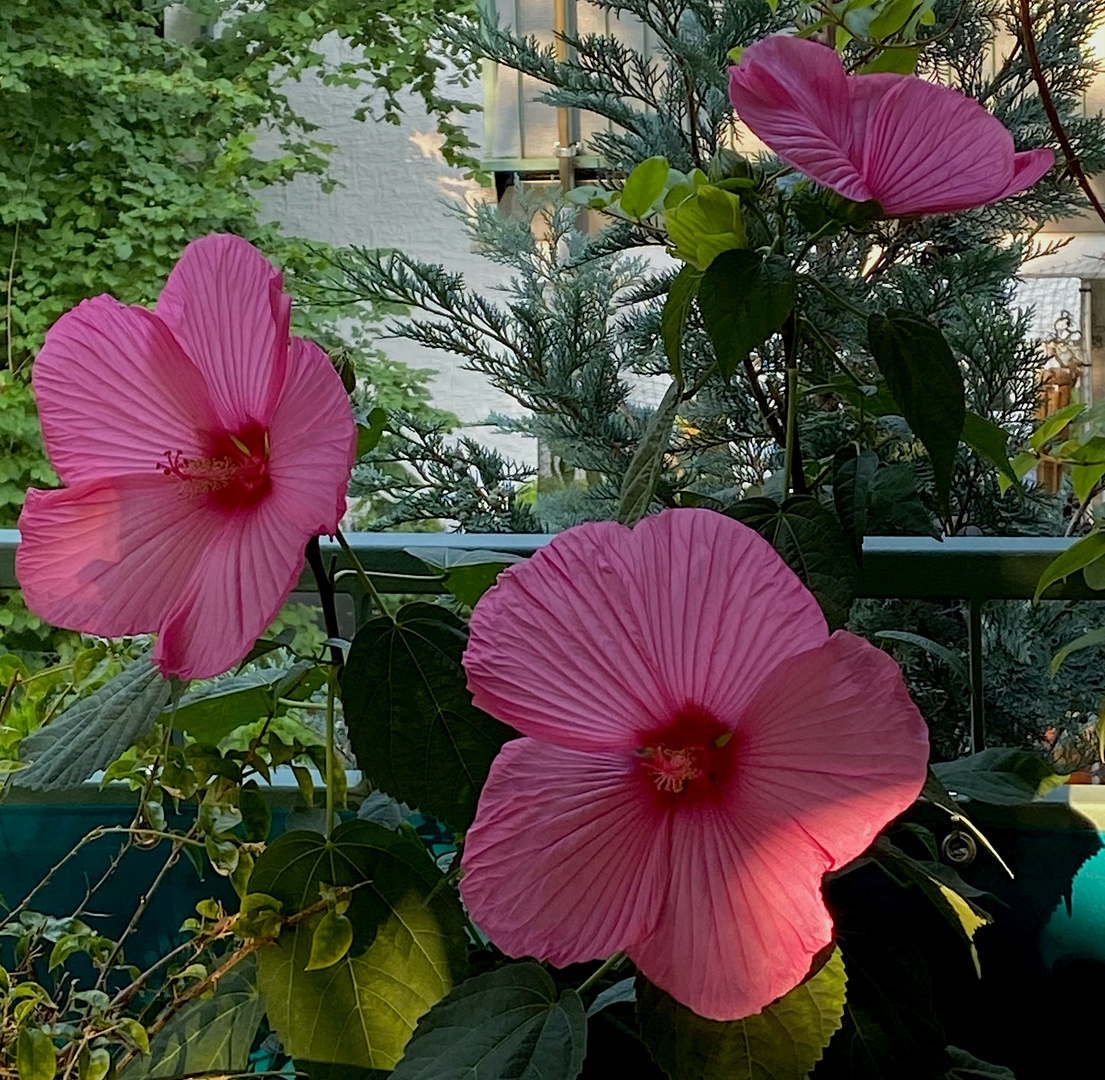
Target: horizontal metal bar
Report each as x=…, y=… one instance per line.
x=980, y=567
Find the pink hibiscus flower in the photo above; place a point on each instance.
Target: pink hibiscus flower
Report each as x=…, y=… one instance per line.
x=700, y=752
x=200, y=448
x=916, y=147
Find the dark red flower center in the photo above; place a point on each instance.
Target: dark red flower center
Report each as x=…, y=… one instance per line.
x=235, y=472
x=690, y=757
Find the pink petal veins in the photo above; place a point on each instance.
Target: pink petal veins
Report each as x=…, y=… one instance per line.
x=916, y=147
x=1029, y=166
x=239, y=584
x=766, y=755
x=225, y=305
x=743, y=915
x=567, y=859
x=314, y=443
x=833, y=742
x=931, y=150
x=795, y=97
x=554, y=649
x=602, y=636
x=110, y=556
x=115, y=392
x=203, y=449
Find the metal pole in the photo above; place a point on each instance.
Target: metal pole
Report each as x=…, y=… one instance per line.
x=565, y=144
x=974, y=661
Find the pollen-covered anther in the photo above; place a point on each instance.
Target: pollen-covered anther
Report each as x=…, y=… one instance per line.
x=672, y=769
x=203, y=474
x=235, y=472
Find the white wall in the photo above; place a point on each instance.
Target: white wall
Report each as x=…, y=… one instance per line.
x=394, y=184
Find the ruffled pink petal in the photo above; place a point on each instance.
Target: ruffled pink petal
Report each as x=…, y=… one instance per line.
x=115, y=392
x=240, y=582
x=225, y=304
x=605, y=634
x=567, y=858
x=794, y=95
x=1029, y=166
x=832, y=743
x=743, y=916
x=110, y=557
x=931, y=150
x=314, y=441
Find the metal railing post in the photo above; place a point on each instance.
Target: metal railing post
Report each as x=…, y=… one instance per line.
x=974, y=663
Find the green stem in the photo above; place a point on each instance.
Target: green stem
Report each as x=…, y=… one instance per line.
x=602, y=969
x=821, y=233
x=700, y=382
x=361, y=573
x=833, y=295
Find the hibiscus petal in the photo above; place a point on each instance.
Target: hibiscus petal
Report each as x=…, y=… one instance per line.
x=832, y=740
x=115, y=392
x=1028, y=167
x=830, y=749
x=794, y=95
x=554, y=646
x=225, y=304
x=238, y=586
x=743, y=917
x=109, y=557
x=314, y=441
x=567, y=858
x=718, y=608
x=931, y=150
x=604, y=635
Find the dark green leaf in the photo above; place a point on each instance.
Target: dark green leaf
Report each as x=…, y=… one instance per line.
x=783, y=1042
x=991, y=442
x=927, y=384
x=411, y=720
x=940, y=652
x=1000, y=775
x=467, y=574
x=967, y=1067
x=872, y=399
x=91, y=734
x=507, y=1024
x=256, y=815
x=408, y=944
x=744, y=298
x=945, y=890
x=207, y=1035
x=810, y=540
x=212, y=712
x=647, y=463
x=853, y=472
x=371, y=431
x=894, y=506
x=673, y=318
x=623, y=991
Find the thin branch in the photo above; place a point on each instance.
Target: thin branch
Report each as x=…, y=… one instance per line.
x=1074, y=166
